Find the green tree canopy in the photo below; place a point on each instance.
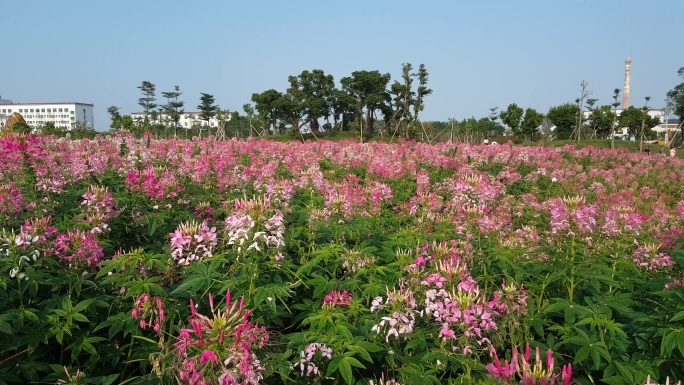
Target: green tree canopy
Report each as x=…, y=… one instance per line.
x=601, y=120
x=531, y=123
x=369, y=88
x=147, y=102
x=512, y=118
x=632, y=118
x=313, y=90
x=265, y=103
x=207, y=107
x=564, y=117
x=675, y=99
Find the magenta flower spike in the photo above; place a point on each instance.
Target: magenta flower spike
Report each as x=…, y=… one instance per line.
x=211, y=302
x=566, y=374
x=192, y=308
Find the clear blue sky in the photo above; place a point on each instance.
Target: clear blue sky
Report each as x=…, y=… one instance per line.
x=479, y=53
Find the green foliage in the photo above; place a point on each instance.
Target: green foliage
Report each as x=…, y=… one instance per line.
x=369, y=88
x=637, y=121
x=564, y=117
x=207, y=107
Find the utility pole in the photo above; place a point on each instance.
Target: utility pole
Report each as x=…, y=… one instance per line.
x=583, y=95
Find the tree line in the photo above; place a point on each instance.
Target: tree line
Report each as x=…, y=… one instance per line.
x=369, y=103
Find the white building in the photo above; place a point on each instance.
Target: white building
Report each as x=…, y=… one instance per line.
x=63, y=115
x=187, y=119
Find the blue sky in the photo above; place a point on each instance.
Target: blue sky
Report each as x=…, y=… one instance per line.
x=479, y=54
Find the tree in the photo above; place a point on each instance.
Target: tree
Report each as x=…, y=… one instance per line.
x=601, y=120
x=313, y=91
x=580, y=104
x=249, y=110
x=422, y=92
x=675, y=100
x=407, y=103
x=343, y=109
x=265, y=103
x=403, y=97
x=147, y=102
x=512, y=118
x=115, y=116
x=207, y=107
x=223, y=117
x=173, y=107
x=291, y=109
x=531, y=123
x=564, y=117
x=49, y=128
x=633, y=118
x=369, y=88
x=616, y=103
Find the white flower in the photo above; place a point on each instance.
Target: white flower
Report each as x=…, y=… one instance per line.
x=554, y=179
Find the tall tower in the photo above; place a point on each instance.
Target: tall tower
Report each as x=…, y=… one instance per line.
x=625, y=92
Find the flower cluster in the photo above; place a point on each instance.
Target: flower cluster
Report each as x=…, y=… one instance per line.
x=401, y=307
x=572, y=216
x=311, y=358
x=150, y=312
x=337, y=298
x=243, y=228
x=510, y=300
x=521, y=369
x=74, y=379
x=100, y=207
x=40, y=229
x=677, y=283
x=11, y=199
x=649, y=257
x=220, y=348
x=18, y=242
x=157, y=183
x=204, y=211
x=192, y=241
x=356, y=260
x=79, y=249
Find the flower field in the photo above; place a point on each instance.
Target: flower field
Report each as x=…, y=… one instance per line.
x=138, y=261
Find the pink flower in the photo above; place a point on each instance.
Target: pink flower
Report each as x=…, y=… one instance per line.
x=209, y=355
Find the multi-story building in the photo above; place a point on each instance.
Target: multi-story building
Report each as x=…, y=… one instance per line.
x=64, y=115
x=187, y=119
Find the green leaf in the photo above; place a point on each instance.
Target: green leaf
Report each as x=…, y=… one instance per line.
x=668, y=343
x=105, y=380
x=79, y=317
x=677, y=317
x=369, y=346
x=84, y=304
x=680, y=343
x=582, y=354
x=354, y=362
x=333, y=365
x=346, y=371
